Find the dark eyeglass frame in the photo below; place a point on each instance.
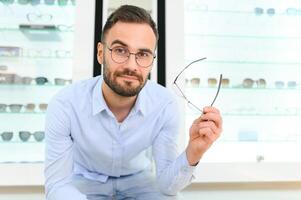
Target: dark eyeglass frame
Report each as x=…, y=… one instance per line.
x=182, y=93
x=25, y=135
x=128, y=57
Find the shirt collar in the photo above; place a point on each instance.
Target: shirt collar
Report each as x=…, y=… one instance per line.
x=99, y=103
x=141, y=102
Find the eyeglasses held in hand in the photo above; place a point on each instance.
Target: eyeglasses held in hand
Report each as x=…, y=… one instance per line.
x=182, y=93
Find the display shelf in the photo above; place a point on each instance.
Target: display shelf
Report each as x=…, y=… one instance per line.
x=21, y=174
x=36, y=55
x=22, y=113
x=28, y=86
x=192, y=89
x=29, y=143
x=236, y=36
x=252, y=115
x=63, y=29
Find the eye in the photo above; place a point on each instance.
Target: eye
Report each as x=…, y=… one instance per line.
x=143, y=54
x=120, y=50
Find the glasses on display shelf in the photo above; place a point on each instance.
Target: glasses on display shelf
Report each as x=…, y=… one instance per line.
x=34, y=17
x=7, y=2
x=26, y=80
x=195, y=82
x=62, y=2
x=7, y=78
x=63, y=54
x=49, y=2
x=25, y=135
x=289, y=84
x=3, y=107
x=34, y=53
x=259, y=11
x=182, y=93
x=293, y=11
x=23, y=2
x=212, y=82
x=47, y=53
x=35, y=2
x=120, y=54
x=10, y=51
x=43, y=107
x=30, y=107
x=41, y=80
x=7, y=136
x=15, y=108
x=249, y=83
x=61, y=81
x=62, y=27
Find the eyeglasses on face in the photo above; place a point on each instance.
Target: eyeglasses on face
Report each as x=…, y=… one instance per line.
x=182, y=93
x=120, y=54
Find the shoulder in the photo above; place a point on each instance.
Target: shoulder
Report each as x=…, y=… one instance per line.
x=158, y=97
x=158, y=93
x=76, y=91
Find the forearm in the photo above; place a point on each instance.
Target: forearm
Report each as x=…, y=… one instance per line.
x=176, y=176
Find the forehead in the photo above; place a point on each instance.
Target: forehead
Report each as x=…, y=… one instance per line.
x=135, y=35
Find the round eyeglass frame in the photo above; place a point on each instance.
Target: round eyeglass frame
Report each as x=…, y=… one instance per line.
x=128, y=57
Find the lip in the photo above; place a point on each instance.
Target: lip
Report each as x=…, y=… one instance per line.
x=132, y=78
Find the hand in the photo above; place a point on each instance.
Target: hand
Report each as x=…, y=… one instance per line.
x=203, y=132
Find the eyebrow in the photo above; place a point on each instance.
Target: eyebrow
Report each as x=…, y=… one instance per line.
x=124, y=44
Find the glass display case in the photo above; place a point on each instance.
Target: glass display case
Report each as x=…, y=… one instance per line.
x=36, y=60
x=255, y=45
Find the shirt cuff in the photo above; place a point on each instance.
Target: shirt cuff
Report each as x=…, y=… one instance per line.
x=185, y=167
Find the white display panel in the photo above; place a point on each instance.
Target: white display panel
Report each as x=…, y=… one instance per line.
x=255, y=45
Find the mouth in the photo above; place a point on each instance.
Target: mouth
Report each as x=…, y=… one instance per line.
x=129, y=78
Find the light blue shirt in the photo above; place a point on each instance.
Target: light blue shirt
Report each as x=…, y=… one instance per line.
x=84, y=138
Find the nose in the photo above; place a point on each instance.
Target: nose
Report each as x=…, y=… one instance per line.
x=131, y=62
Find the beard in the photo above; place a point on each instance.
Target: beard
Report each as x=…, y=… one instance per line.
x=127, y=89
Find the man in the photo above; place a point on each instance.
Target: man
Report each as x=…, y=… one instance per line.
x=98, y=131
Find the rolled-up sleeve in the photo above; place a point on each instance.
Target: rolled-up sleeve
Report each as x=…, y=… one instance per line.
x=59, y=153
x=173, y=171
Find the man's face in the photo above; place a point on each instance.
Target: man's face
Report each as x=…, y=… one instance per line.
x=128, y=78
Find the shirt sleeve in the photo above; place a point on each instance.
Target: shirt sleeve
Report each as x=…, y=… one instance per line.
x=173, y=171
x=59, y=153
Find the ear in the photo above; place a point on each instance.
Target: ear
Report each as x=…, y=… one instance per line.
x=100, y=49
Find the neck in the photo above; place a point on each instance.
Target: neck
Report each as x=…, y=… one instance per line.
x=119, y=105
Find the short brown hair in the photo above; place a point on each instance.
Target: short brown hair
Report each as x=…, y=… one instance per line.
x=131, y=14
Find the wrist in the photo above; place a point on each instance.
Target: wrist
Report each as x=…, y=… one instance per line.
x=193, y=158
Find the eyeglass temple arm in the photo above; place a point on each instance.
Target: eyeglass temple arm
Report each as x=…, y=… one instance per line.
x=218, y=88
x=187, y=67
x=183, y=95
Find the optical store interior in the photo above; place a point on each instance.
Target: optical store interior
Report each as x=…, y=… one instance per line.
x=46, y=45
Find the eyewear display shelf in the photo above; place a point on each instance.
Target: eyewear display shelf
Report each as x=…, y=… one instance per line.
x=256, y=47
x=36, y=61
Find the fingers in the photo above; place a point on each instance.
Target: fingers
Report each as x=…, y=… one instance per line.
x=210, y=109
x=208, y=134
x=211, y=114
x=208, y=128
x=208, y=125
